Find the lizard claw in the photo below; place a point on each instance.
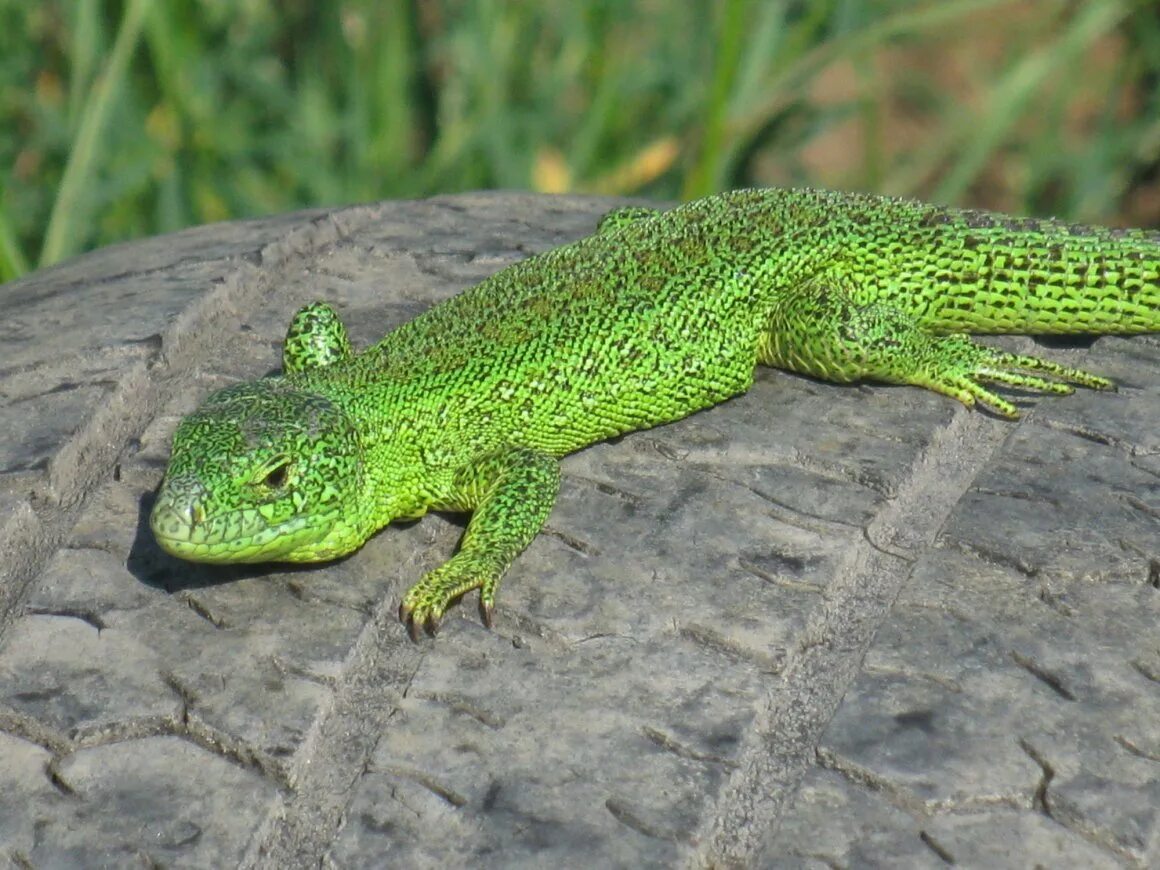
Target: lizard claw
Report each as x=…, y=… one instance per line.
x=419, y=618
x=405, y=614
x=426, y=602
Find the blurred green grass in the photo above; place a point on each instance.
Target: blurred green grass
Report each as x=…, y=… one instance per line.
x=123, y=119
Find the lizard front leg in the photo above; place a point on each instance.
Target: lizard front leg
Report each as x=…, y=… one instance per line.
x=510, y=492
x=819, y=329
x=316, y=338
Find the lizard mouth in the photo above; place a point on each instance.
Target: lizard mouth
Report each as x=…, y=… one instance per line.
x=185, y=531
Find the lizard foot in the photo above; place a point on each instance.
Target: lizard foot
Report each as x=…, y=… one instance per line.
x=425, y=603
x=966, y=366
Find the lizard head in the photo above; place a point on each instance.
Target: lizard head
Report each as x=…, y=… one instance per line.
x=261, y=472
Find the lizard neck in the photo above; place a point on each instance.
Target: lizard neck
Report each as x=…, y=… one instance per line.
x=397, y=476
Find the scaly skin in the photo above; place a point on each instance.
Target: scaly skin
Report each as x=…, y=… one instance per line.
x=469, y=406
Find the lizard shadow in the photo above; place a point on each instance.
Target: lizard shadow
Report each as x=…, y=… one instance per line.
x=152, y=566
x=1066, y=342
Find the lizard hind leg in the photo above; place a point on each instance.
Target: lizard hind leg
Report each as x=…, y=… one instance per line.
x=819, y=329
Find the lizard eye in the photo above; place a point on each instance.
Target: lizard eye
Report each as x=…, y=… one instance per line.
x=274, y=476
x=277, y=476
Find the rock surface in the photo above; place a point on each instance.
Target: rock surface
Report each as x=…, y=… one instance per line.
x=815, y=626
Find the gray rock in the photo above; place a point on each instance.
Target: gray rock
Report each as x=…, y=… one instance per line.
x=815, y=626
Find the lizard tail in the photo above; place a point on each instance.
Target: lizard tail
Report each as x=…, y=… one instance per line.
x=1047, y=277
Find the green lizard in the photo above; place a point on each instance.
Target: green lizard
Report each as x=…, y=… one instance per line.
x=469, y=406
